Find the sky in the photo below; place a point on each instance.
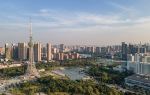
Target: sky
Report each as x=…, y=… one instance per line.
x=75, y=22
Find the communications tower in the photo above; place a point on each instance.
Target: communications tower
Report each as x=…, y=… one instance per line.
x=31, y=71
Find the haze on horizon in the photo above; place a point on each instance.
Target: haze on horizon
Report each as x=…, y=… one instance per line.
x=81, y=22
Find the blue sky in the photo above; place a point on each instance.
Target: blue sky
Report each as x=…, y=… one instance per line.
x=83, y=22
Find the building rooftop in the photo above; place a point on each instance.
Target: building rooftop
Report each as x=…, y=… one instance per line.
x=141, y=78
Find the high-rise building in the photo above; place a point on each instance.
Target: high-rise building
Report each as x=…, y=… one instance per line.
x=62, y=47
x=49, y=52
x=7, y=51
x=22, y=51
x=124, y=51
x=66, y=56
x=44, y=53
x=103, y=50
x=92, y=49
x=142, y=49
x=147, y=48
x=61, y=56
x=76, y=55
x=37, y=52
x=97, y=50
x=139, y=63
x=14, y=51
x=1, y=50
x=54, y=50
x=88, y=49
x=133, y=49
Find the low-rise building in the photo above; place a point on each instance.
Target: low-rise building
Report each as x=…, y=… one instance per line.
x=136, y=80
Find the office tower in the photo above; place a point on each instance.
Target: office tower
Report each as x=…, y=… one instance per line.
x=31, y=69
x=62, y=47
x=49, y=52
x=132, y=49
x=22, y=51
x=37, y=52
x=14, y=52
x=124, y=51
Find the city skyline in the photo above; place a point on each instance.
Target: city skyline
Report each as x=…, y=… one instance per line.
x=74, y=47
x=90, y=22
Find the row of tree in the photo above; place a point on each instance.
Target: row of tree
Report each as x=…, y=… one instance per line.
x=107, y=75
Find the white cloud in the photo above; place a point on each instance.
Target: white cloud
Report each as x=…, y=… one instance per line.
x=44, y=10
x=62, y=19
x=98, y=28
x=126, y=11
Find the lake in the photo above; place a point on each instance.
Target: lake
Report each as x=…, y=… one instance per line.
x=74, y=73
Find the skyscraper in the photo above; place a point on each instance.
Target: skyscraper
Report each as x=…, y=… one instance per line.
x=62, y=47
x=14, y=51
x=37, y=52
x=124, y=51
x=49, y=52
x=22, y=51
x=44, y=53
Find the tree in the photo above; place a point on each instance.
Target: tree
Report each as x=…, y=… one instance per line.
x=49, y=91
x=104, y=77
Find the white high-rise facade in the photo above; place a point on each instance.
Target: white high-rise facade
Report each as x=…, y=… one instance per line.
x=37, y=52
x=22, y=51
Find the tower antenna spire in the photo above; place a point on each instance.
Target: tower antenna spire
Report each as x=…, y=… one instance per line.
x=30, y=27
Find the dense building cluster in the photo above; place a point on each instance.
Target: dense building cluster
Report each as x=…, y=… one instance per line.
x=138, y=61
x=137, y=57
x=134, y=49
x=125, y=52
x=48, y=52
